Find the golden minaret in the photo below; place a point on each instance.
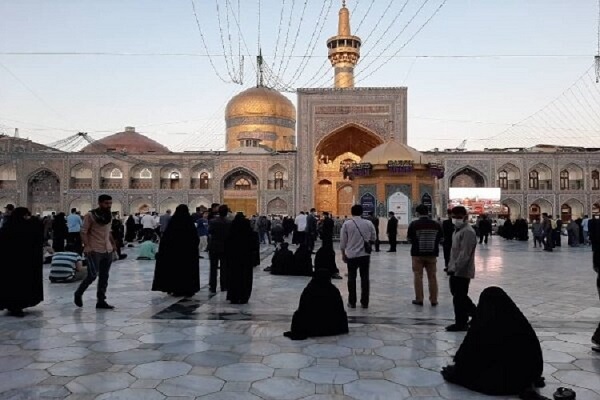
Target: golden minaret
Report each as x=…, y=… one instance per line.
x=344, y=51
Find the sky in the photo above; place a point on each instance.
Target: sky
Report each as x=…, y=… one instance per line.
x=97, y=66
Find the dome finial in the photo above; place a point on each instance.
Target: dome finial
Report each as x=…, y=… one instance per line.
x=343, y=3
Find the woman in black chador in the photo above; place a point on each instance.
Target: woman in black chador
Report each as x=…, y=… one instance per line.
x=59, y=232
x=241, y=247
x=283, y=260
x=177, y=266
x=130, y=229
x=507, y=230
x=501, y=353
x=321, y=311
x=21, y=246
x=302, y=262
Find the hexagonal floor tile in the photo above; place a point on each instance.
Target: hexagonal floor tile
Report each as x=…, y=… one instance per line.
x=283, y=389
x=21, y=379
x=399, y=353
x=410, y=376
x=135, y=357
x=360, y=342
x=84, y=366
x=190, y=385
x=102, y=382
x=244, y=372
x=212, y=359
x=327, y=351
x=10, y=363
x=288, y=360
x=161, y=370
x=132, y=394
x=330, y=375
x=184, y=347
x=367, y=363
x=375, y=389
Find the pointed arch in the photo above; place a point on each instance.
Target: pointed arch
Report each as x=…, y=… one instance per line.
x=230, y=178
x=467, y=176
x=111, y=176
x=43, y=191
x=81, y=176
x=509, y=177
x=540, y=177
x=8, y=176
x=350, y=137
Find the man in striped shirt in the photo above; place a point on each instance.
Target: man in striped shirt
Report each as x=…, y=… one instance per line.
x=66, y=266
x=425, y=235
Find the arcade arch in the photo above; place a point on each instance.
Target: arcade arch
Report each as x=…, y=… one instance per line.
x=467, y=177
x=81, y=177
x=540, y=177
x=240, y=191
x=43, y=192
x=571, y=209
x=8, y=176
x=538, y=207
x=509, y=177
x=111, y=177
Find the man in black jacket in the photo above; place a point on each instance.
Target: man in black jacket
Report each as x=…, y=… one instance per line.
x=485, y=229
x=218, y=229
x=392, y=231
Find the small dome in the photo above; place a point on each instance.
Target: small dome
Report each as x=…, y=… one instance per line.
x=128, y=141
x=260, y=102
x=393, y=151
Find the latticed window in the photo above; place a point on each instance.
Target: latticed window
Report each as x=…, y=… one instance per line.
x=595, y=180
x=146, y=174
x=503, y=179
x=242, y=184
x=204, y=180
x=534, y=180
x=278, y=183
x=174, y=175
x=116, y=174
x=564, y=179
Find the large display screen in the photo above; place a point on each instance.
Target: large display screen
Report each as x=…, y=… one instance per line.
x=476, y=200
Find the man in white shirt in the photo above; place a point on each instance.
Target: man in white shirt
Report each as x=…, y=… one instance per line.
x=301, y=222
x=586, y=232
x=148, y=224
x=355, y=232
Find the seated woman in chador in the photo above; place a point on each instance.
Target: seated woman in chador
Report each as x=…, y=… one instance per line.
x=321, y=311
x=282, y=261
x=302, y=262
x=501, y=354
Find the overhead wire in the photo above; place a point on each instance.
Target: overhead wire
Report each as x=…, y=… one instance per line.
x=203, y=40
x=410, y=39
x=303, y=13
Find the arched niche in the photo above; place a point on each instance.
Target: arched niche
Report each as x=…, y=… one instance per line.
x=81, y=177
x=571, y=177
x=277, y=206
x=170, y=178
x=509, y=177
x=141, y=177
x=540, y=177
x=111, y=177
x=467, y=177
x=8, y=176
x=201, y=178
x=43, y=192
x=277, y=177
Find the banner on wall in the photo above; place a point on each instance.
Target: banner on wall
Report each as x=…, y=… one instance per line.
x=368, y=203
x=476, y=200
x=399, y=204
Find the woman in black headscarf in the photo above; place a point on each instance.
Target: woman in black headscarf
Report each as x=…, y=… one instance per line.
x=321, y=311
x=21, y=247
x=501, y=354
x=177, y=266
x=302, y=261
x=59, y=232
x=241, y=247
x=507, y=230
x=130, y=229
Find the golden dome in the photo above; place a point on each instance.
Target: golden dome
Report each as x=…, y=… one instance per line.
x=260, y=102
x=128, y=141
x=393, y=151
x=263, y=117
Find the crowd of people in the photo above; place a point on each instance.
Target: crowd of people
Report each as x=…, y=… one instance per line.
x=497, y=331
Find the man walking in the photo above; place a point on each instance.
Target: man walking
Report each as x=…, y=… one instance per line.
x=163, y=222
x=485, y=229
x=392, y=231
x=148, y=225
x=356, y=236
x=311, y=229
x=218, y=230
x=461, y=269
x=98, y=249
x=424, y=235
x=594, y=237
x=74, y=224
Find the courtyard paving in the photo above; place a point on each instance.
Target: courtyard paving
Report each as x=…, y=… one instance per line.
x=157, y=347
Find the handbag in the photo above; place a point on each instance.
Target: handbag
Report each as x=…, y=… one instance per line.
x=367, y=244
